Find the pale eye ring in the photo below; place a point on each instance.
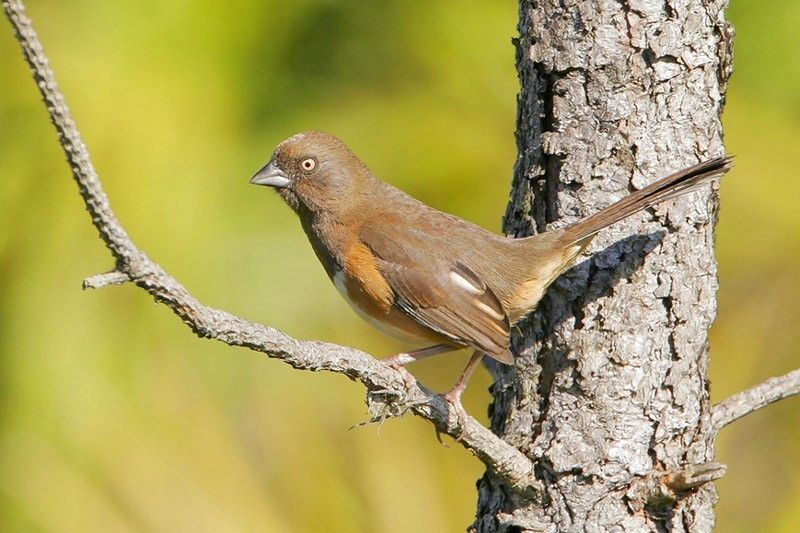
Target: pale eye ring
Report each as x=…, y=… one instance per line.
x=309, y=164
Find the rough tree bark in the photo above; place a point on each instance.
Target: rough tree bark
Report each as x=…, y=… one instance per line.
x=613, y=388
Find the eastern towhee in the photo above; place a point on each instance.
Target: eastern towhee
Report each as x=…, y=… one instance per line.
x=425, y=276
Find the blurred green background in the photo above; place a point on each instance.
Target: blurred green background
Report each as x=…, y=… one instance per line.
x=115, y=418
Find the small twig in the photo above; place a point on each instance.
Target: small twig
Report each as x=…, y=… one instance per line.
x=755, y=398
x=693, y=476
x=505, y=461
x=98, y=281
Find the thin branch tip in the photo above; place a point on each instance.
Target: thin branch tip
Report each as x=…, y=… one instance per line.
x=755, y=398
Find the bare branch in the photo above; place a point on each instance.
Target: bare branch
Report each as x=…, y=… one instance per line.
x=387, y=387
x=755, y=398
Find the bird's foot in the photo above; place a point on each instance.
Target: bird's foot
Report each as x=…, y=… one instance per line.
x=453, y=398
x=409, y=380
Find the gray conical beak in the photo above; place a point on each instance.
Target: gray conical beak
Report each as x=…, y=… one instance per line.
x=271, y=176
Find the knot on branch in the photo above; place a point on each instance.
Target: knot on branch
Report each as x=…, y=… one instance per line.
x=387, y=403
x=394, y=402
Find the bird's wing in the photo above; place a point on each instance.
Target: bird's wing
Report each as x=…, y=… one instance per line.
x=439, y=292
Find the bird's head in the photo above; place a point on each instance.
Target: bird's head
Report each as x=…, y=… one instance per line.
x=314, y=170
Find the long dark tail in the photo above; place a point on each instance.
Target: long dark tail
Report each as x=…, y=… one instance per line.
x=664, y=189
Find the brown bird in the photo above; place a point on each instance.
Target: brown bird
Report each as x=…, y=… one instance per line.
x=424, y=276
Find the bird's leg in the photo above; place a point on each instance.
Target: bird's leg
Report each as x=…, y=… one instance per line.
x=399, y=361
x=454, y=396
x=404, y=358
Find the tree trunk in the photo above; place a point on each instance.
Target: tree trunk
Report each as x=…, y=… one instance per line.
x=611, y=388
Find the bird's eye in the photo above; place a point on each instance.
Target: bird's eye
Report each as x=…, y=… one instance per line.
x=309, y=164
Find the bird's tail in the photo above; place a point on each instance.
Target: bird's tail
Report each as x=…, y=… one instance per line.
x=672, y=186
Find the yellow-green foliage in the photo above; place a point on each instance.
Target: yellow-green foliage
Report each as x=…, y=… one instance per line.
x=113, y=417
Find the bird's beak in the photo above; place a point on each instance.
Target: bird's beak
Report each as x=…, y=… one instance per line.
x=271, y=176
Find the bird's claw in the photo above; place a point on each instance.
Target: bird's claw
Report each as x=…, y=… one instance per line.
x=409, y=380
x=453, y=398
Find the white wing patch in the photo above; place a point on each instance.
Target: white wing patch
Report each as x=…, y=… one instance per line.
x=490, y=311
x=466, y=279
x=463, y=283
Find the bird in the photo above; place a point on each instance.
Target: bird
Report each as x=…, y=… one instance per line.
x=426, y=277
